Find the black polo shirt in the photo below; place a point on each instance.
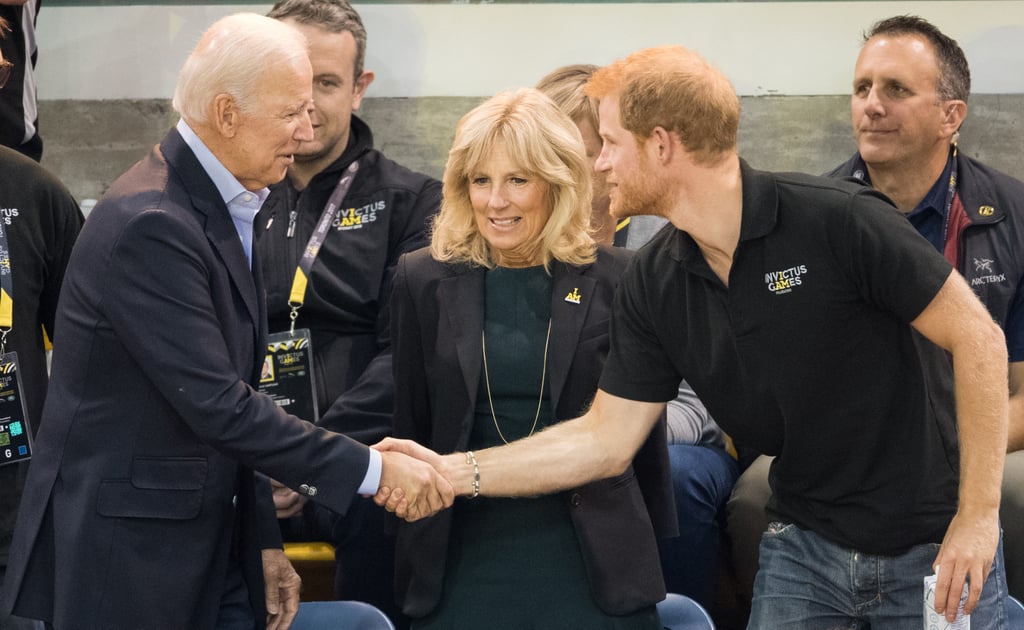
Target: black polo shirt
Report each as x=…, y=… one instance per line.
x=806, y=355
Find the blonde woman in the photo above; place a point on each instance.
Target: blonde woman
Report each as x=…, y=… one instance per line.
x=500, y=329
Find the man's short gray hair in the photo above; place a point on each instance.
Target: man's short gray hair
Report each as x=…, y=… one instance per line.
x=229, y=59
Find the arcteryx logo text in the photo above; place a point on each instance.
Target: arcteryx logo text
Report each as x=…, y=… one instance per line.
x=784, y=280
x=355, y=218
x=985, y=274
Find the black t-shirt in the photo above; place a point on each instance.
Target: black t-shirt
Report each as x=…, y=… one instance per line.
x=806, y=355
x=42, y=221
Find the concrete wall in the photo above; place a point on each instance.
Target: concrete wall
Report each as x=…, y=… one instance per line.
x=89, y=143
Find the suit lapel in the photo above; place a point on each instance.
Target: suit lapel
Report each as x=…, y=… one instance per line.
x=221, y=232
x=219, y=228
x=462, y=303
x=571, y=297
x=262, y=322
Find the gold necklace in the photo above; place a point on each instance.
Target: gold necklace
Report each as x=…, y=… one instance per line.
x=487, y=382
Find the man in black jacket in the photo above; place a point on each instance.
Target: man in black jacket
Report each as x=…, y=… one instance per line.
x=383, y=213
x=968, y=211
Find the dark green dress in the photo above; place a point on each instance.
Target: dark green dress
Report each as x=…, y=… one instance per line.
x=516, y=563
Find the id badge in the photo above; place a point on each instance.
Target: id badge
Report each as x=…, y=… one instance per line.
x=15, y=436
x=287, y=375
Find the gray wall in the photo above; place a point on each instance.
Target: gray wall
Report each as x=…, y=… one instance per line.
x=89, y=143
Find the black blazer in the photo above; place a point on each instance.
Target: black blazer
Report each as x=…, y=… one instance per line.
x=142, y=482
x=437, y=316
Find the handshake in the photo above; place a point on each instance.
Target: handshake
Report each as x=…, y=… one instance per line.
x=414, y=482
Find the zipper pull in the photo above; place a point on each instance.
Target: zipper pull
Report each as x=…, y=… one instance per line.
x=292, y=216
x=270, y=221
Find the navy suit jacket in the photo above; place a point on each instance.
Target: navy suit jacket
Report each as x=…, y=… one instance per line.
x=437, y=316
x=141, y=491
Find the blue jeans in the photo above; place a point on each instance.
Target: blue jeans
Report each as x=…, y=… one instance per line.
x=807, y=583
x=702, y=478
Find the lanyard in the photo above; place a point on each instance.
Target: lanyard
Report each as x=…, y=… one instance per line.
x=6, y=290
x=316, y=240
x=949, y=197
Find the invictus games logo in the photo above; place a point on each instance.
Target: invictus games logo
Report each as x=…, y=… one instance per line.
x=290, y=358
x=784, y=280
x=986, y=274
x=7, y=214
x=355, y=218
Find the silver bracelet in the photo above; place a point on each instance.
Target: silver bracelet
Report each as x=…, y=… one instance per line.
x=471, y=459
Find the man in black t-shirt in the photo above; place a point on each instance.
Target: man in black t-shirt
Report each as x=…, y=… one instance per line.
x=910, y=97
x=801, y=310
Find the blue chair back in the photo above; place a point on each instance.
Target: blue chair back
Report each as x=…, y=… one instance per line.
x=340, y=615
x=679, y=612
x=1015, y=611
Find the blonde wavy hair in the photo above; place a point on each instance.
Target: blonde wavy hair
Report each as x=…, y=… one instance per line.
x=543, y=141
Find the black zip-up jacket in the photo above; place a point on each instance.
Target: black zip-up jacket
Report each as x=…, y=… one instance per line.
x=983, y=240
x=385, y=214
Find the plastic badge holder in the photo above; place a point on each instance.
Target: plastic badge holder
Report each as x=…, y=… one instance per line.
x=935, y=621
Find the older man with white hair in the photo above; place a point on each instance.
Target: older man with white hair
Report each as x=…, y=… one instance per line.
x=142, y=509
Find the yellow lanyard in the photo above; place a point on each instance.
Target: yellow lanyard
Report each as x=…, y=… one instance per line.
x=6, y=290
x=316, y=240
